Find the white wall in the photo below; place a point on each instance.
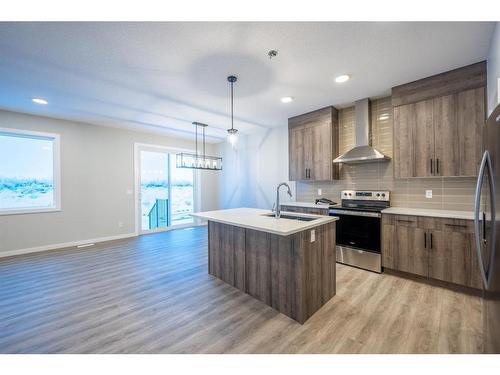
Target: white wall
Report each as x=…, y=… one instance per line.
x=493, y=69
x=252, y=171
x=97, y=165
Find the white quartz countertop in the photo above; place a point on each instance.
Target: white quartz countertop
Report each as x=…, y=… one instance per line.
x=253, y=218
x=465, y=215
x=305, y=204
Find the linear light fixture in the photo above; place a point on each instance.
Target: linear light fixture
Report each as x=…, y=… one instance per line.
x=198, y=160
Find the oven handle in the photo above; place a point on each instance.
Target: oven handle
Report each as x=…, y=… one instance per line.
x=334, y=212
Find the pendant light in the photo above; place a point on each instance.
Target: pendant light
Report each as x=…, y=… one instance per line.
x=232, y=133
x=199, y=159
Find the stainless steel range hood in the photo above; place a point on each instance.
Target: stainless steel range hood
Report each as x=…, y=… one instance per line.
x=362, y=152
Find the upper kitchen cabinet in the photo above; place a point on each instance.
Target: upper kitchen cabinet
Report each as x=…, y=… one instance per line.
x=438, y=124
x=312, y=145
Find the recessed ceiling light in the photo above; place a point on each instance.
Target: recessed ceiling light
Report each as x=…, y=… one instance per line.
x=39, y=101
x=343, y=78
x=286, y=99
x=384, y=116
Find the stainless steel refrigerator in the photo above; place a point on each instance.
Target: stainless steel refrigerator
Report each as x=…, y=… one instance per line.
x=487, y=230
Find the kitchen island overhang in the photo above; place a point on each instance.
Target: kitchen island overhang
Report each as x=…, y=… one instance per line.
x=287, y=264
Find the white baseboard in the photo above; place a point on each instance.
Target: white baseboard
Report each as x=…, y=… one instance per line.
x=37, y=249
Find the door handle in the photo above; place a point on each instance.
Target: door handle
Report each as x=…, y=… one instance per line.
x=484, y=227
x=485, y=166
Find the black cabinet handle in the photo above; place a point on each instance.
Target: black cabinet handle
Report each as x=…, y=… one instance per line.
x=431, y=240
x=432, y=169
x=456, y=225
x=425, y=240
x=437, y=166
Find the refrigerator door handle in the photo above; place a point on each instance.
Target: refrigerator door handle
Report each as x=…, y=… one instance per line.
x=485, y=167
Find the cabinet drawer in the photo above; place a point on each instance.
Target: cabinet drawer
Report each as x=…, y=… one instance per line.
x=457, y=225
x=400, y=220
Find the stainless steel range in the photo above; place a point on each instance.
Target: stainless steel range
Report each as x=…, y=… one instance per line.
x=359, y=228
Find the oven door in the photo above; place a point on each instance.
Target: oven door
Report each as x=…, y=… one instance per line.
x=358, y=229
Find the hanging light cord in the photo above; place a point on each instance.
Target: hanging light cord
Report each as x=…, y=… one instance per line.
x=232, y=107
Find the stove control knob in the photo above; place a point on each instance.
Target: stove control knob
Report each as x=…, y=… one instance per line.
x=378, y=194
x=383, y=194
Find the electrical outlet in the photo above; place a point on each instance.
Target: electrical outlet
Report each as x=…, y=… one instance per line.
x=428, y=193
x=320, y=192
x=313, y=235
x=129, y=192
x=120, y=224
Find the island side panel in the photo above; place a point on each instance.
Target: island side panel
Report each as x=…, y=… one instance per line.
x=316, y=277
x=258, y=265
x=226, y=253
x=329, y=262
x=283, y=276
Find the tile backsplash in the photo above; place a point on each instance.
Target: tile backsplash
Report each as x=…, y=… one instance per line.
x=451, y=193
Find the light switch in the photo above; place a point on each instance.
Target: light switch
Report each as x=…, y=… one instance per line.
x=313, y=235
x=428, y=193
x=129, y=192
x=320, y=192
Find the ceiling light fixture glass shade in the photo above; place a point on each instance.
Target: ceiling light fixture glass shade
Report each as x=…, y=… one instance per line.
x=198, y=160
x=342, y=78
x=40, y=101
x=287, y=99
x=232, y=136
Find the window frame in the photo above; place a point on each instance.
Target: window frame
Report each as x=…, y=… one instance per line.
x=56, y=166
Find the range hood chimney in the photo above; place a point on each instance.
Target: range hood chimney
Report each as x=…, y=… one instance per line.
x=362, y=152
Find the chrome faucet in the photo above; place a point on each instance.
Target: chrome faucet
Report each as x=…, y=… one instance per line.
x=277, y=211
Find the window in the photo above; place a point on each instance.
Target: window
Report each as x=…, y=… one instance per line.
x=29, y=172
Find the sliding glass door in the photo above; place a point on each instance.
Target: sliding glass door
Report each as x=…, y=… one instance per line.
x=166, y=193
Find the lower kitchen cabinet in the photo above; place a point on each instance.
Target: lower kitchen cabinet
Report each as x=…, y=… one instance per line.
x=403, y=245
x=441, y=249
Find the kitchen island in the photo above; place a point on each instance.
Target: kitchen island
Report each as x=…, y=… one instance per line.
x=287, y=263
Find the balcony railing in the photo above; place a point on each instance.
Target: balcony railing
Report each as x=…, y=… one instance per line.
x=158, y=215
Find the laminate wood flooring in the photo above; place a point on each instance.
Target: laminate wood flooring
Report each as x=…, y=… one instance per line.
x=152, y=294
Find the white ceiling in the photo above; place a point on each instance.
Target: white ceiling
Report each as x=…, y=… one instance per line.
x=162, y=76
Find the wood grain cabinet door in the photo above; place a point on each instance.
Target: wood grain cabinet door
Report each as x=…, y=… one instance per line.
x=296, y=162
x=319, y=150
x=403, y=245
x=446, y=139
x=421, y=123
x=452, y=257
x=313, y=144
x=471, y=117
x=414, y=140
x=412, y=253
x=388, y=241
x=403, y=142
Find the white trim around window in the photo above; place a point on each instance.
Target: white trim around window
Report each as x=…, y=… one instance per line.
x=56, y=157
